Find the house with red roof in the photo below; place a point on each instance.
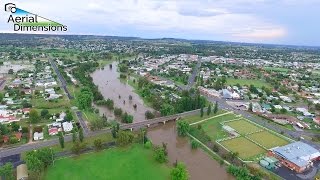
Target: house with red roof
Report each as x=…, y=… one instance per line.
x=317, y=120
x=53, y=131
x=5, y=139
x=18, y=135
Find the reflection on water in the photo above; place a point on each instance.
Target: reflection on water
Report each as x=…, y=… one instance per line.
x=111, y=87
x=199, y=164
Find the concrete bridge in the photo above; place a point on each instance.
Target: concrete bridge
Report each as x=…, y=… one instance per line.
x=156, y=121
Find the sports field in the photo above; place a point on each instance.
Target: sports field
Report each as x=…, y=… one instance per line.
x=268, y=139
x=117, y=164
x=244, y=147
x=243, y=126
x=212, y=127
x=247, y=82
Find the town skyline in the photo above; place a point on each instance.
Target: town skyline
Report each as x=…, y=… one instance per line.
x=263, y=21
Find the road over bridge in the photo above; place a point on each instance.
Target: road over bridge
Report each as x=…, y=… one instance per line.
x=4, y=152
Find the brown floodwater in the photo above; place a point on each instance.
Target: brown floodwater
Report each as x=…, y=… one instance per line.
x=111, y=87
x=199, y=164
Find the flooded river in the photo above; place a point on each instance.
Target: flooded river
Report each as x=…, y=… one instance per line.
x=111, y=87
x=199, y=164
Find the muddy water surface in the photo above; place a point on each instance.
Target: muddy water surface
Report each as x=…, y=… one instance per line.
x=111, y=87
x=199, y=164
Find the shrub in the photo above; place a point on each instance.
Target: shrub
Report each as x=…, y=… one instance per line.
x=194, y=144
x=13, y=140
x=148, y=145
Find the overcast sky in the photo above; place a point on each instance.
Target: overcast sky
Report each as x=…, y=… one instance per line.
x=261, y=21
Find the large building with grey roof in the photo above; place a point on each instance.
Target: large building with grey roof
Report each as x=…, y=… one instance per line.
x=297, y=156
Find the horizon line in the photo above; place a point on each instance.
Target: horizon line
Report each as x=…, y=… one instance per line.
x=159, y=38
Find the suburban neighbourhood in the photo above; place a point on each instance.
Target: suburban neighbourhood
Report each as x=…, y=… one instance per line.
x=249, y=113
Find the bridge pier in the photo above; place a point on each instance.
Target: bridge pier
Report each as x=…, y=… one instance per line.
x=164, y=122
x=131, y=129
x=148, y=125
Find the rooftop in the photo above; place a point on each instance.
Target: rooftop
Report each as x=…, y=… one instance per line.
x=297, y=152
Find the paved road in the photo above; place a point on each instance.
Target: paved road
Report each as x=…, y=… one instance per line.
x=64, y=86
x=192, y=77
x=63, y=82
x=82, y=122
x=36, y=145
x=1, y=83
x=290, y=133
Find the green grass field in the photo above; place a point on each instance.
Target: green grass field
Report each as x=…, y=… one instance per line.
x=243, y=126
x=248, y=82
x=276, y=69
x=41, y=103
x=246, y=149
x=268, y=139
x=135, y=163
x=197, y=117
x=213, y=128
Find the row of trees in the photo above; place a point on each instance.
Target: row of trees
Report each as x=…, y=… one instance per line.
x=215, y=110
x=241, y=173
x=189, y=100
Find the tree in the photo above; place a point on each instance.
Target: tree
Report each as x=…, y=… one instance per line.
x=283, y=110
x=216, y=108
x=69, y=116
x=81, y=136
x=179, y=172
x=183, y=128
x=1, y=97
x=127, y=118
x=201, y=111
x=15, y=127
x=115, y=129
x=124, y=138
x=250, y=107
x=233, y=155
x=38, y=160
x=149, y=115
x=3, y=129
x=78, y=147
x=194, y=144
x=117, y=112
x=61, y=140
x=74, y=136
x=209, y=110
x=6, y=171
x=10, y=71
x=34, y=116
x=44, y=113
x=160, y=154
x=85, y=98
x=98, y=144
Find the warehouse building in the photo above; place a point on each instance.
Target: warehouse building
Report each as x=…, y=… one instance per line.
x=297, y=156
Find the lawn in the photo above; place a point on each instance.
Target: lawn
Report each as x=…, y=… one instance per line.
x=243, y=126
x=268, y=139
x=247, y=82
x=41, y=103
x=246, y=149
x=197, y=117
x=91, y=116
x=135, y=163
x=213, y=128
x=276, y=69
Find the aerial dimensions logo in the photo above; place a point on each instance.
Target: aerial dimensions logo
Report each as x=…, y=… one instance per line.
x=25, y=21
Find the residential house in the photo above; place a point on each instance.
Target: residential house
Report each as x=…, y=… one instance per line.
x=38, y=136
